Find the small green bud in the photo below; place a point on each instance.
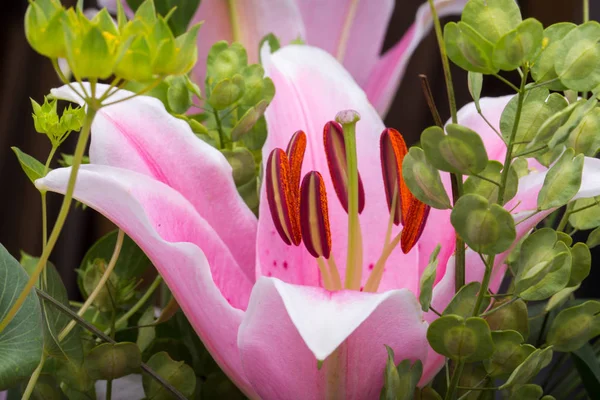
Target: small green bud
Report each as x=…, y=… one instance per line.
x=44, y=27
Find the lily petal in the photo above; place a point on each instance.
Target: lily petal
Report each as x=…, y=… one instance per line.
x=248, y=22
x=312, y=87
x=384, y=78
x=351, y=30
x=289, y=326
x=199, y=269
x=140, y=135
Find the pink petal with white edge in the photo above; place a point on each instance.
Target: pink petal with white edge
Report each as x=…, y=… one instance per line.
x=351, y=30
x=255, y=19
x=287, y=328
x=312, y=87
x=196, y=265
x=384, y=78
x=140, y=135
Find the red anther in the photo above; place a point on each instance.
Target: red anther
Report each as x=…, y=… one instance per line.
x=295, y=152
x=282, y=197
x=415, y=223
x=335, y=151
x=393, y=150
x=314, y=217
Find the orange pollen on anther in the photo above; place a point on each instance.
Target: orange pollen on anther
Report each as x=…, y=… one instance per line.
x=415, y=223
x=282, y=197
x=393, y=149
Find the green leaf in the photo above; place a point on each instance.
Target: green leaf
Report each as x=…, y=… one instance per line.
x=577, y=60
x=242, y=163
x=489, y=190
x=543, y=69
x=400, y=381
x=589, y=369
x=557, y=123
x=519, y=46
x=532, y=365
x=584, y=138
x=113, y=361
x=70, y=348
x=248, y=120
x=460, y=339
x=510, y=352
x=527, y=392
x=468, y=49
x=427, y=280
x=581, y=264
x=176, y=373
x=562, y=181
x=492, y=18
x=423, y=180
x=21, y=341
x=227, y=92
x=132, y=262
x=593, y=239
x=32, y=167
x=475, y=82
x=464, y=300
x=538, y=106
x=513, y=316
x=223, y=62
x=560, y=297
x=487, y=229
x=574, y=327
x=579, y=112
x=179, y=96
x=461, y=151
x=587, y=215
x=544, y=266
x=146, y=334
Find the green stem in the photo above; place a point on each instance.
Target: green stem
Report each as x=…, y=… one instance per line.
x=109, y=389
x=509, y=83
x=99, y=286
x=460, y=252
x=586, y=10
x=489, y=265
x=219, y=129
x=125, y=317
x=451, y=393
x=234, y=21
x=493, y=310
x=66, y=310
x=445, y=62
x=565, y=218
x=60, y=220
x=34, y=378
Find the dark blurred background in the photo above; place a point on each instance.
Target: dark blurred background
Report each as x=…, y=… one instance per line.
x=25, y=74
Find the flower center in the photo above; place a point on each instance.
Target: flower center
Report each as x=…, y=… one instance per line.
x=300, y=210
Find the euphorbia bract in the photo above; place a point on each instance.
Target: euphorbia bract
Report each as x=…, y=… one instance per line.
x=255, y=297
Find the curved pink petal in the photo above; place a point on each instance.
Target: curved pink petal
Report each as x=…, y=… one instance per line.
x=351, y=30
x=140, y=135
x=287, y=328
x=385, y=76
x=111, y=5
x=254, y=20
x=202, y=274
x=312, y=87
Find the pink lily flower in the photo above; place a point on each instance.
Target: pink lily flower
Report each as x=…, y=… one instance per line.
x=258, y=304
x=351, y=30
